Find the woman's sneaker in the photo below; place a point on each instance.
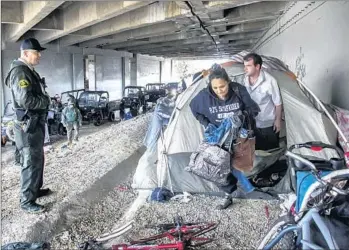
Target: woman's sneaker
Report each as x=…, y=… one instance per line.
x=227, y=202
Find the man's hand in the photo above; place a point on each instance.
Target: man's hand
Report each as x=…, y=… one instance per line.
x=277, y=126
x=277, y=122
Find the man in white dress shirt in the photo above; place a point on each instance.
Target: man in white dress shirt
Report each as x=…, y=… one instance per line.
x=264, y=90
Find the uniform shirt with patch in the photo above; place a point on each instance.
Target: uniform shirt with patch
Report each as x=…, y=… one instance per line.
x=27, y=89
x=265, y=92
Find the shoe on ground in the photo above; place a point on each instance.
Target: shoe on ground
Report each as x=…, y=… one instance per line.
x=227, y=202
x=33, y=208
x=44, y=192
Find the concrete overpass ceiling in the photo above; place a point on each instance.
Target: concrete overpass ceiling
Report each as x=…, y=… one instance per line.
x=162, y=28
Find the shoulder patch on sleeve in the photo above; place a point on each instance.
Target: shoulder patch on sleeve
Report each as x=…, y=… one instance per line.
x=23, y=83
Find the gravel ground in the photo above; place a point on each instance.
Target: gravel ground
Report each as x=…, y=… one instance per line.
x=68, y=172
x=241, y=226
x=101, y=218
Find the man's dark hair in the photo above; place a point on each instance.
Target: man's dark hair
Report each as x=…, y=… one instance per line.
x=257, y=59
x=218, y=73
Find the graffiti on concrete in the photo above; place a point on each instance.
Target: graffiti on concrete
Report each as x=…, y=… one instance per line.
x=300, y=65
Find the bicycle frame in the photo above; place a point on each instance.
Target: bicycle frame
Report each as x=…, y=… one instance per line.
x=303, y=228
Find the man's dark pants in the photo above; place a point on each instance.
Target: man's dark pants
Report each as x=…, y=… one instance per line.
x=31, y=148
x=266, y=138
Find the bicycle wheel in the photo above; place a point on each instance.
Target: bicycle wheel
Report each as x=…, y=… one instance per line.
x=287, y=242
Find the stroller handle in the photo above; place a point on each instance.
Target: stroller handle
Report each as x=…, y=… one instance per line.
x=315, y=172
x=301, y=159
x=317, y=146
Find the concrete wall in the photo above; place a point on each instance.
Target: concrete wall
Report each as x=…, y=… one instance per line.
x=78, y=71
x=63, y=69
x=108, y=75
x=57, y=68
x=166, y=71
x=314, y=46
x=148, y=70
x=127, y=72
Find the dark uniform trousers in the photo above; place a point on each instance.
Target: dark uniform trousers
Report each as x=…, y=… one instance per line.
x=31, y=148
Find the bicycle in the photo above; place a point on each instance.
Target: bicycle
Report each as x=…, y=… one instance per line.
x=294, y=230
x=182, y=236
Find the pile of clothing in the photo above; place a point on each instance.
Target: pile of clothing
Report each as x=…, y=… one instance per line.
x=161, y=116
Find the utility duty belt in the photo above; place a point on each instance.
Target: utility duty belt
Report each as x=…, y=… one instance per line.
x=30, y=119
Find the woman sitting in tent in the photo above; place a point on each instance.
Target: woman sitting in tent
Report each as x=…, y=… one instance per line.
x=221, y=99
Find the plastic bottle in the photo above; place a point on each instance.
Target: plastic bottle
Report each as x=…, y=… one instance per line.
x=243, y=133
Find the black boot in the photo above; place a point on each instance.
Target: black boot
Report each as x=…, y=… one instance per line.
x=44, y=192
x=33, y=208
x=227, y=202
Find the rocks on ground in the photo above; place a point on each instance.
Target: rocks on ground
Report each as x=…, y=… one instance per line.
x=67, y=175
x=100, y=219
x=241, y=226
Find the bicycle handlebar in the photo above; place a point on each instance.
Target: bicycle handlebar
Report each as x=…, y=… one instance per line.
x=315, y=172
x=316, y=146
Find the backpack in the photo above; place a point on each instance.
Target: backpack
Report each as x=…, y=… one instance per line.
x=71, y=115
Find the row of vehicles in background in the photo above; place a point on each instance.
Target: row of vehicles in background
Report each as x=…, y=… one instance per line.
x=139, y=99
x=95, y=107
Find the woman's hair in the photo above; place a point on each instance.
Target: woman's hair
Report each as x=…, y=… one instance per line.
x=218, y=72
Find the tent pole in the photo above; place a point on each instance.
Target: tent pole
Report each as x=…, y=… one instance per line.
x=326, y=112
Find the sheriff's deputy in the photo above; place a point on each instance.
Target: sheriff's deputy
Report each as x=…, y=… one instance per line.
x=31, y=103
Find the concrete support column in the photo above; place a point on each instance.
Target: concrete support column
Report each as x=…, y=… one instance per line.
x=123, y=73
x=92, y=72
x=73, y=72
x=171, y=68
x=134, y=70
x=160, y=75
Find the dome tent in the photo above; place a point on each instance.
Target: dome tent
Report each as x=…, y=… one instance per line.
x=304, y=116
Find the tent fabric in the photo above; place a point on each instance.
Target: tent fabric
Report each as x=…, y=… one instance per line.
x=184, y=133
x=342, y=116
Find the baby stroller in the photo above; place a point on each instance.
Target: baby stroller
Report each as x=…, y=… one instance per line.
x=319, y=218
x=303, y=175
